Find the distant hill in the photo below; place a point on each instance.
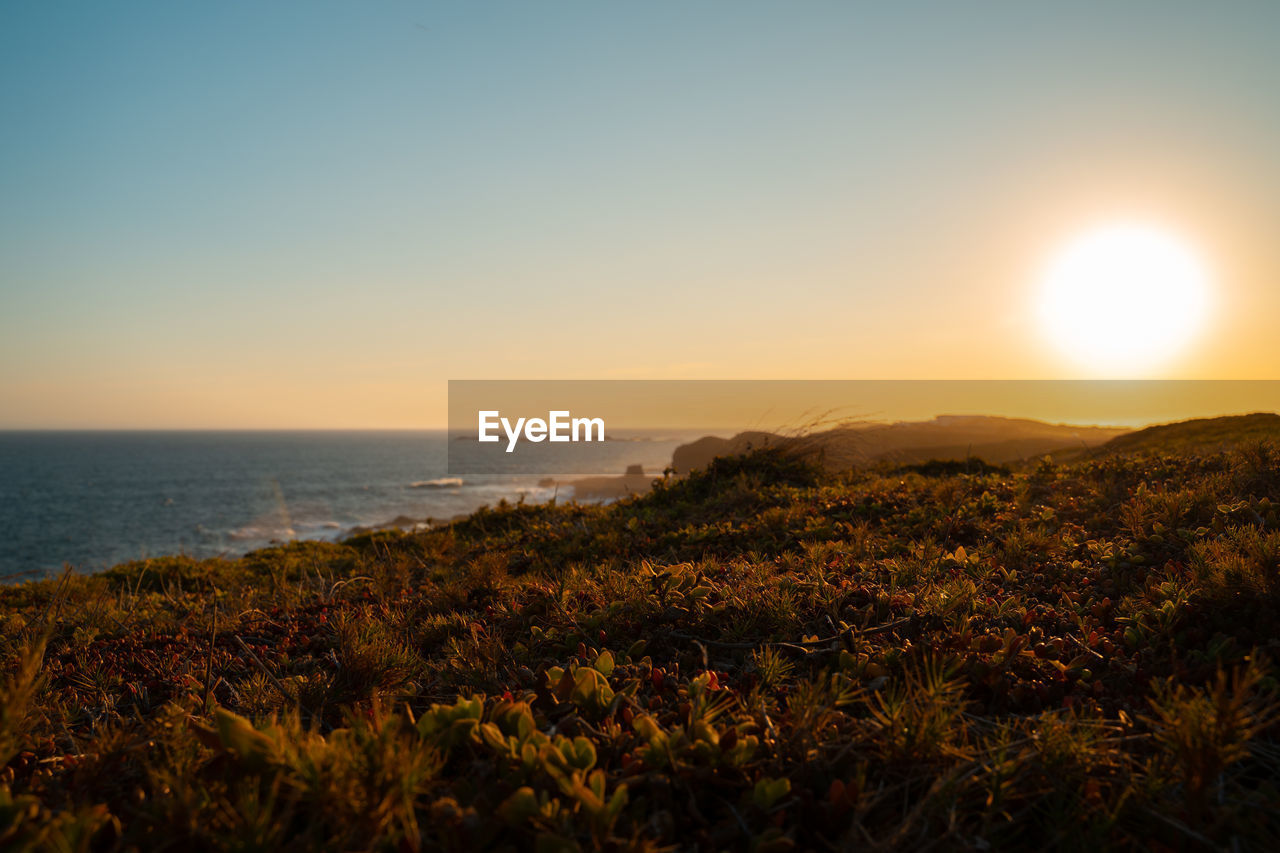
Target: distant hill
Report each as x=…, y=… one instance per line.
x=993, y=439
x=1200, y=434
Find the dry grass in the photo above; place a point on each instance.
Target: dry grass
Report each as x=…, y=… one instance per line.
x=758, y=657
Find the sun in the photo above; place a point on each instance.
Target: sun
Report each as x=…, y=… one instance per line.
x=1123, y=299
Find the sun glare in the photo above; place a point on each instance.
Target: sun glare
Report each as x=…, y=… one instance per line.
x=1123, y=299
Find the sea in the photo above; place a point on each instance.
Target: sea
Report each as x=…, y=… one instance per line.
x=92, y=500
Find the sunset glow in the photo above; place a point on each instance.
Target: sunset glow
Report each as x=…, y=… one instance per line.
x=325, y=211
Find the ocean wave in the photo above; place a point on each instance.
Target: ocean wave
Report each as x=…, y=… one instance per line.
x=316, y=524
x=438, y=483
x=262, y=533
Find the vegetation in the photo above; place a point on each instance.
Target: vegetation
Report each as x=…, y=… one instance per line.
x=760, y=656
x=1203, y=433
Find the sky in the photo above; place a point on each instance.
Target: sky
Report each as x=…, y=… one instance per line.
x=289, y=215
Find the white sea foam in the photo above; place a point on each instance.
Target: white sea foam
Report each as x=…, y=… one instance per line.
x=262, y=533
x=438, y=483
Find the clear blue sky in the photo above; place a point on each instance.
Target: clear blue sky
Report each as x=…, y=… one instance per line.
x=312, y=214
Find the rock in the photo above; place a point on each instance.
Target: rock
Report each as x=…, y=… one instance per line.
x=698, y=454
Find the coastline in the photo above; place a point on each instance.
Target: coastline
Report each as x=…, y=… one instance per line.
x=228, y=494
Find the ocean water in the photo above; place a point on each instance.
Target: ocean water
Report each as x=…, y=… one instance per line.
x=96, y=499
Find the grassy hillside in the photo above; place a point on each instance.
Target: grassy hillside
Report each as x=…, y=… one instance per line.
x=857, y=445
x=760, y=656
x=1201, y=434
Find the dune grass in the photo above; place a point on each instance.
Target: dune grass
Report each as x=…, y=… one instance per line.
x=760, y=656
